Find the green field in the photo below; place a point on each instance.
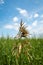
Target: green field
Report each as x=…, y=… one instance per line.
x=21, y=51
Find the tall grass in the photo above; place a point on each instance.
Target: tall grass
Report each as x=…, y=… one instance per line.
x=31, y=52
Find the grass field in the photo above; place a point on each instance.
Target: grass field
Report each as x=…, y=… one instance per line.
x=21, y=51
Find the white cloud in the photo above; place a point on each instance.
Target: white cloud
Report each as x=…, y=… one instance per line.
x=29, y=27
x=30, y=17
x=38, y=30
x=36, y=15
x=34, y=23
x=42, y=15
x=35, y=28
x=15, y=19
x=23, y=12
x=1, y=1
x=15, y=26
x=8, y=26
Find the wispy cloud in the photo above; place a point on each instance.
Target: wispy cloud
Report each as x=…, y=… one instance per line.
x=15, y=26
x=36, y=15
x=38, y=29
x=23, y=12
x=35, y=28
x=42, y=16
x=8, y=26
x=1, y=1
x=29, y=27
x=15, y=19
x=34, y=23
x=28, y=15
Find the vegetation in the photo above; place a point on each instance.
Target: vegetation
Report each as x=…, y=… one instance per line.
x=21, y=51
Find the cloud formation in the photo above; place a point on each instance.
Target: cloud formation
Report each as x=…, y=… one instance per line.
x=36, y=15
x=23, y=12
x=1, y=1
x=42, y=15
x=34, y=28
x=15, y=26
x=15, y=19
x=8, y=26
x=34, y=23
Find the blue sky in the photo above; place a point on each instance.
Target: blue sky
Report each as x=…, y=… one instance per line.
x=12, y=11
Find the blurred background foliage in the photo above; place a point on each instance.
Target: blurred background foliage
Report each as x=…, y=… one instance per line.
x=21, y=51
